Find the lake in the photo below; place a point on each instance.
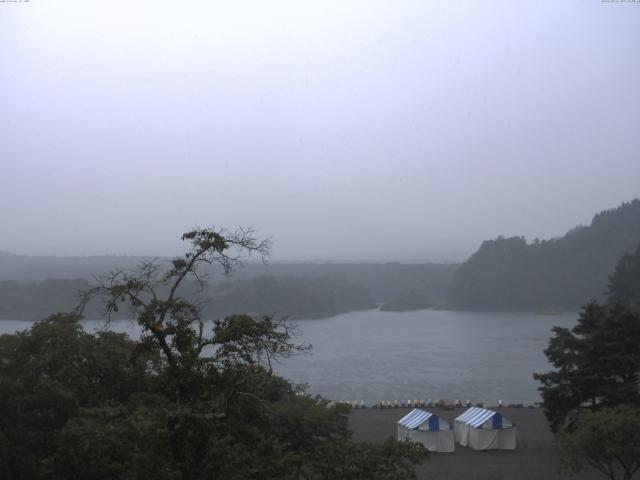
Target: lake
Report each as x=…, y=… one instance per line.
x=373, y=355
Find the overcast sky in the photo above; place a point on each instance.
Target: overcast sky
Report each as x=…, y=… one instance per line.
x=344, y=130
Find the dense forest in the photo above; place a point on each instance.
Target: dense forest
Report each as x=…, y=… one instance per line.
x=32, y=287
x=591, y=397
x=624, y=284
x=409, y=300
x=36, y=300
x=76, y=405
x=504, y=274
x=294, y=297
x=509, y=273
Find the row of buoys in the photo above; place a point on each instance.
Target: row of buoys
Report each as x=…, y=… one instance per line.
x=418, y=403
x=430, y=403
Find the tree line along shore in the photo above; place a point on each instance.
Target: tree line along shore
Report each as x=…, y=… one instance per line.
x=545, y=276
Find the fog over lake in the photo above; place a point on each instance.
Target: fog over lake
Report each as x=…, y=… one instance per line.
x=373, y=355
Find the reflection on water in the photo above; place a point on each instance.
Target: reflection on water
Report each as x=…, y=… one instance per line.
x=373, y=355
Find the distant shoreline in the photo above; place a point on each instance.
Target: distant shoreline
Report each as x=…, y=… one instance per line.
x=550, y=313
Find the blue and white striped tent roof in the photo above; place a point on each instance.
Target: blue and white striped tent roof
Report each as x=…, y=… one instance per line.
x=478, y=417
x=420, y=419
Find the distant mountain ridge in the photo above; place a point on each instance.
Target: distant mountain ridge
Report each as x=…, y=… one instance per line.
x=566, y=272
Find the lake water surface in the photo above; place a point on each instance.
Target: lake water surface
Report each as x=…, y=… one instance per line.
x=373, y=355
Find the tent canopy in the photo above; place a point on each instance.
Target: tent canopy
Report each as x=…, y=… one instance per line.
x=418, y=419
x=477, y=417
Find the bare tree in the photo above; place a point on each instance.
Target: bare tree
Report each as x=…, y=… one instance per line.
x=151, y=291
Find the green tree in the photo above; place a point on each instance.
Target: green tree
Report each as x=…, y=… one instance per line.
x=189, y=400
x=607, y=440
x=624, y=284
x=52, y=374
x=390, y=460
x=172, y=323
x=596, y=363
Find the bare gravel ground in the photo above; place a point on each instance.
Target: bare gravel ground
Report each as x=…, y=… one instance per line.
x=536, y=458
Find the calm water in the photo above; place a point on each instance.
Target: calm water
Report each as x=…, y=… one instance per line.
x=373, y=355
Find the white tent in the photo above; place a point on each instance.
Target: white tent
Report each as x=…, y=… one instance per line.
x=483, y=429
x=426, y=428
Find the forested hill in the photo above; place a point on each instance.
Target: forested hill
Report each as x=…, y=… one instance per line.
x=33, y=287
x=295, y=297
x=509, y=273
